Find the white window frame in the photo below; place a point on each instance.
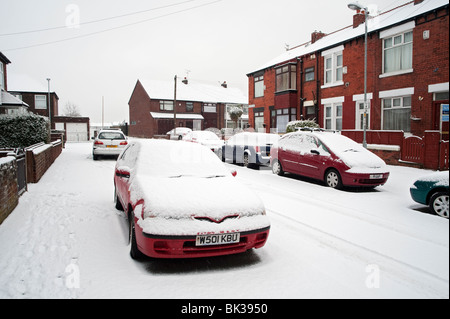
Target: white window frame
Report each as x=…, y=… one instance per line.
x=337, y=70
x=393, y=33
x=2, y=76
x=335, y=114
x=259, y=86
x=39, y=101
x=400, y=106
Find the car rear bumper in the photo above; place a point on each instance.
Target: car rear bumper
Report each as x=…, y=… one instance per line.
x=364, y=180
x=163, y=246
x=107, y=151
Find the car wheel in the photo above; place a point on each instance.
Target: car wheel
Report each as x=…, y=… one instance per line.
x=95, y=157
x=276, y=168
x=135, y=253
x=439, y=204
x=180, y=137
x=333, y=179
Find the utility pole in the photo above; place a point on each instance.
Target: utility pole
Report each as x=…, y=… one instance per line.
x=103, y=112
x=49, y=104
x=175, y=108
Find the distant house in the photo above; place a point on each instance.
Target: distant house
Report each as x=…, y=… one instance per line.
x=198, y=106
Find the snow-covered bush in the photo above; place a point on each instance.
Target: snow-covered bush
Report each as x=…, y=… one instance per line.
x=294, y=125
x=23, y=130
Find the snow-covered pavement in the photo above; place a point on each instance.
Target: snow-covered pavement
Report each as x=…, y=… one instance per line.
x=65, y=239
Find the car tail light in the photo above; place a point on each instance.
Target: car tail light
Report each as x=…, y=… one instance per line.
x=98, y=143
x=257, y=149
x=124, y=143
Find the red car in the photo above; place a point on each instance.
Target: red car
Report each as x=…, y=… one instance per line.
x=330, y=157
x=182, y=202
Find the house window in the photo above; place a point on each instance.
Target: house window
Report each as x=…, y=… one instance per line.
x=333, y=68
x=333, y=117
x=397, y=113
x=209, y=108
x=40, y=102
x=286, y=78
x=2, y=76
x=189, y=106
x=397, y=52
x=309, y=74
x=166, y=105
x=259, y=86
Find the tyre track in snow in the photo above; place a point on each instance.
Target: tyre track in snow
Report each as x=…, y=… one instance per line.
x=422, y=276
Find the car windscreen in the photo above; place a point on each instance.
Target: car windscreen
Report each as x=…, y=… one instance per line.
x=111, y=136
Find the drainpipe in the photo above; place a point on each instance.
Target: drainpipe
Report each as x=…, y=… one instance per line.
x=300, y=61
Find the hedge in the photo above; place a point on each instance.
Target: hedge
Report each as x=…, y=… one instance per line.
x=20, y=131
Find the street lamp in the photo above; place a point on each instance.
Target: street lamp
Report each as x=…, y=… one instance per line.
x=356, y=6
x=49, y=104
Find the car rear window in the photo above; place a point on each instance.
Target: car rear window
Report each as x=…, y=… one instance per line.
x=111, y=136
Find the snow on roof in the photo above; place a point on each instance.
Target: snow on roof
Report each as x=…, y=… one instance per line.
x=157, y=115
x=375, y=23
x=7, y=99
x=193, y=91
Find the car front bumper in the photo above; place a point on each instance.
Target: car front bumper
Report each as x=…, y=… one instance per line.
x=364, y=180
x=165, y=246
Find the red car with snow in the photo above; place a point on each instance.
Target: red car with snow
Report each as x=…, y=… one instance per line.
x=330, y=157
x=181, y=201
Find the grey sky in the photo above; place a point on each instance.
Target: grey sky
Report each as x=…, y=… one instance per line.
x=211, y=40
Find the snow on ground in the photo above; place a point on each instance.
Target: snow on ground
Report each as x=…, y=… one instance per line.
x=65, y=239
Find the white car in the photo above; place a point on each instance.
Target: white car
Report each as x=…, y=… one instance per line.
x=179, y=133
x=206, y=138
x=109, y=143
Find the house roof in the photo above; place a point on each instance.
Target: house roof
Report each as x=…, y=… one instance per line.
x=379, y=22
x=9, y=100
x=4, y=58
x=193, y=91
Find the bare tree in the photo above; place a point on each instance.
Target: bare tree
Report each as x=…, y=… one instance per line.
x=71, y=109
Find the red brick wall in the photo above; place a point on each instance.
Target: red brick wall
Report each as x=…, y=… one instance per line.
x=40, y=158
x=9, y=197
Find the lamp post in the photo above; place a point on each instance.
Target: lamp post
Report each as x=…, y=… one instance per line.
x=356, y=6
x=49, y=104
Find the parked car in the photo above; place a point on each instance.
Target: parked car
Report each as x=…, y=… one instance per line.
x=433, y=190
x=183, y=202
x=249, y=148
x=330, y=157
x=206, y=138
x=179, y=133
x=109, y=143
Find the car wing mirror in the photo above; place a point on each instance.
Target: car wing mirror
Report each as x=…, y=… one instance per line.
x=123, y=171
x=316, y=152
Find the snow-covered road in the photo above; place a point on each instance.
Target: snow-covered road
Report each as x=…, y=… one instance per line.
x=65, y=239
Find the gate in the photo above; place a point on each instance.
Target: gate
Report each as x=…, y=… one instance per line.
x=413, y=150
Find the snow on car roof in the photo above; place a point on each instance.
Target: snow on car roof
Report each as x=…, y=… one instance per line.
x=173, y=159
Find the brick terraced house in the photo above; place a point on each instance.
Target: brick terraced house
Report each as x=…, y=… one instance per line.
x=408, y=75
x=198, y=106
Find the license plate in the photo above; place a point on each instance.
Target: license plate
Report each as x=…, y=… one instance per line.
x=376, y=176
x=111, y=146
x=217, y=239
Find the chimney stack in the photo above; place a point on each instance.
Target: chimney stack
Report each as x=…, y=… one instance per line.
x=358, y=19
x=317, y=35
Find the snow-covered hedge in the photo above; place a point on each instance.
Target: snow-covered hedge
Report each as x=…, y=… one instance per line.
x=293, y=125
x=23, y=130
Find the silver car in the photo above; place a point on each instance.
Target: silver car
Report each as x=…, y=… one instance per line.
x=109, y=143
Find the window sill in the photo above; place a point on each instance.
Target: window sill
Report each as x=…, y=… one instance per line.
x=386, y=75
x=329, y=85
